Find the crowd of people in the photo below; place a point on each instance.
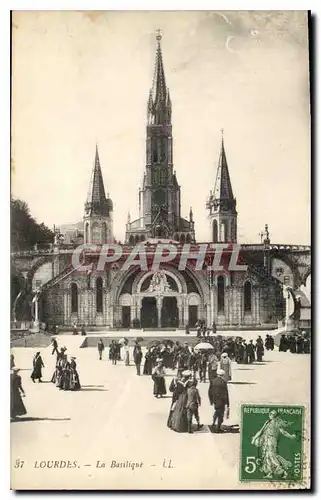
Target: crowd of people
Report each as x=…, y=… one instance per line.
x=210, y=360
x=297, y=344
x=65, y=375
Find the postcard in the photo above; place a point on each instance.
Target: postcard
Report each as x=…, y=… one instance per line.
x=160, y=250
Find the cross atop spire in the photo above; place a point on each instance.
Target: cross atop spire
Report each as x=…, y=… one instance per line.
x=159, y=83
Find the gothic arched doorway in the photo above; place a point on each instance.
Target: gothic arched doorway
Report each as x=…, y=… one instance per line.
x=148, y=313
x=169, y=314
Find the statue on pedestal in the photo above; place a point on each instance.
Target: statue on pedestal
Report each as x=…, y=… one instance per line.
x=159, y=282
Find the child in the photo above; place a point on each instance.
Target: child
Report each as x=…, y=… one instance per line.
x=192, y=404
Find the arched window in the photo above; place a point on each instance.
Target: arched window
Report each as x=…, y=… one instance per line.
x=136, y=238
x=95, y=234
x=87, y=233
x=131, y=239
x=176, y=237
x=182, y=238
x=188, y=238
x=214, y=231
x=74, y=298
x=247, y=297
x=220, y=294
x=142, y=237
x=99, y=295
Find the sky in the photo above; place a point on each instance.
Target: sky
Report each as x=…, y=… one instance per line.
x=81, y=78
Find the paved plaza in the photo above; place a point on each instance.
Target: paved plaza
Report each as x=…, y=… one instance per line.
x=116, y=418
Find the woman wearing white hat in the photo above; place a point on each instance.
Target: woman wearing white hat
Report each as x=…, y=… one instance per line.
x=225, y=365
x=17, y=406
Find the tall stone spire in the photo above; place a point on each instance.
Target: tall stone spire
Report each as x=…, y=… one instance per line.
x=159, y=196
x=222, y=204
x=159, y=101
x=96, y=199
x=98, y=208
x=223, y=187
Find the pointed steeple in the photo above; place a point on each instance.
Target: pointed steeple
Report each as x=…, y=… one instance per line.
x=221, y=204
x=223, y=187
x=97, y=203
x=159, y=102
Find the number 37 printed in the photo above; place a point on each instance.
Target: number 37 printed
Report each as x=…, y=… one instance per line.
x=19, y=463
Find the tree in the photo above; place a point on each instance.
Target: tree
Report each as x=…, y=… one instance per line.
x=25, y=231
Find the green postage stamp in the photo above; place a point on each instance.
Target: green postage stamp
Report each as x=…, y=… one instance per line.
x=271, y=443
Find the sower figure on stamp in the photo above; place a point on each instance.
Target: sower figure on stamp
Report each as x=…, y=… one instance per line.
x=192, y=404
x=266, y=439
x=218, y=396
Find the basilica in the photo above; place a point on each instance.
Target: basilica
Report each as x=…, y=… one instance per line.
x=263, y=296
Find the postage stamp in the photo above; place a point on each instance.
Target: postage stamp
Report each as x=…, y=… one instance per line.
x=271, y=443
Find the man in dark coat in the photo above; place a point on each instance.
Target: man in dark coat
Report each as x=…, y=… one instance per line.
x=218, y=396
x=299, y=344
x=259, y=348
x=54, y=344
x=250, y=352
x=283, y=347
x=101, y=348
x=137, y=355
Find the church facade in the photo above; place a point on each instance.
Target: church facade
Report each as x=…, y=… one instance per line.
x=168, y=297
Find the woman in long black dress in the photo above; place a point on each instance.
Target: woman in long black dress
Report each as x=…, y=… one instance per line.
x=17, y=406
x=74, y=377
x=158, y=377
x=37, y=367
x=148, y=365
x=177, y=419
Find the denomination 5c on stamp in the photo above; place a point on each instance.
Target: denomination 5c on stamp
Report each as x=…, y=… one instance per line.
x=271, y=443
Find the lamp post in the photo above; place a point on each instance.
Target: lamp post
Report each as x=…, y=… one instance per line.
x=35, y=300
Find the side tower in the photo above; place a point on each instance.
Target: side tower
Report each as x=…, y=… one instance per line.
x=160, y=195
x=98, y=223
x=221, y=205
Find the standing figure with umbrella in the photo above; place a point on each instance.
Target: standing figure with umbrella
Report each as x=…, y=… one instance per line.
x=158, y=377
x=204, y=348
